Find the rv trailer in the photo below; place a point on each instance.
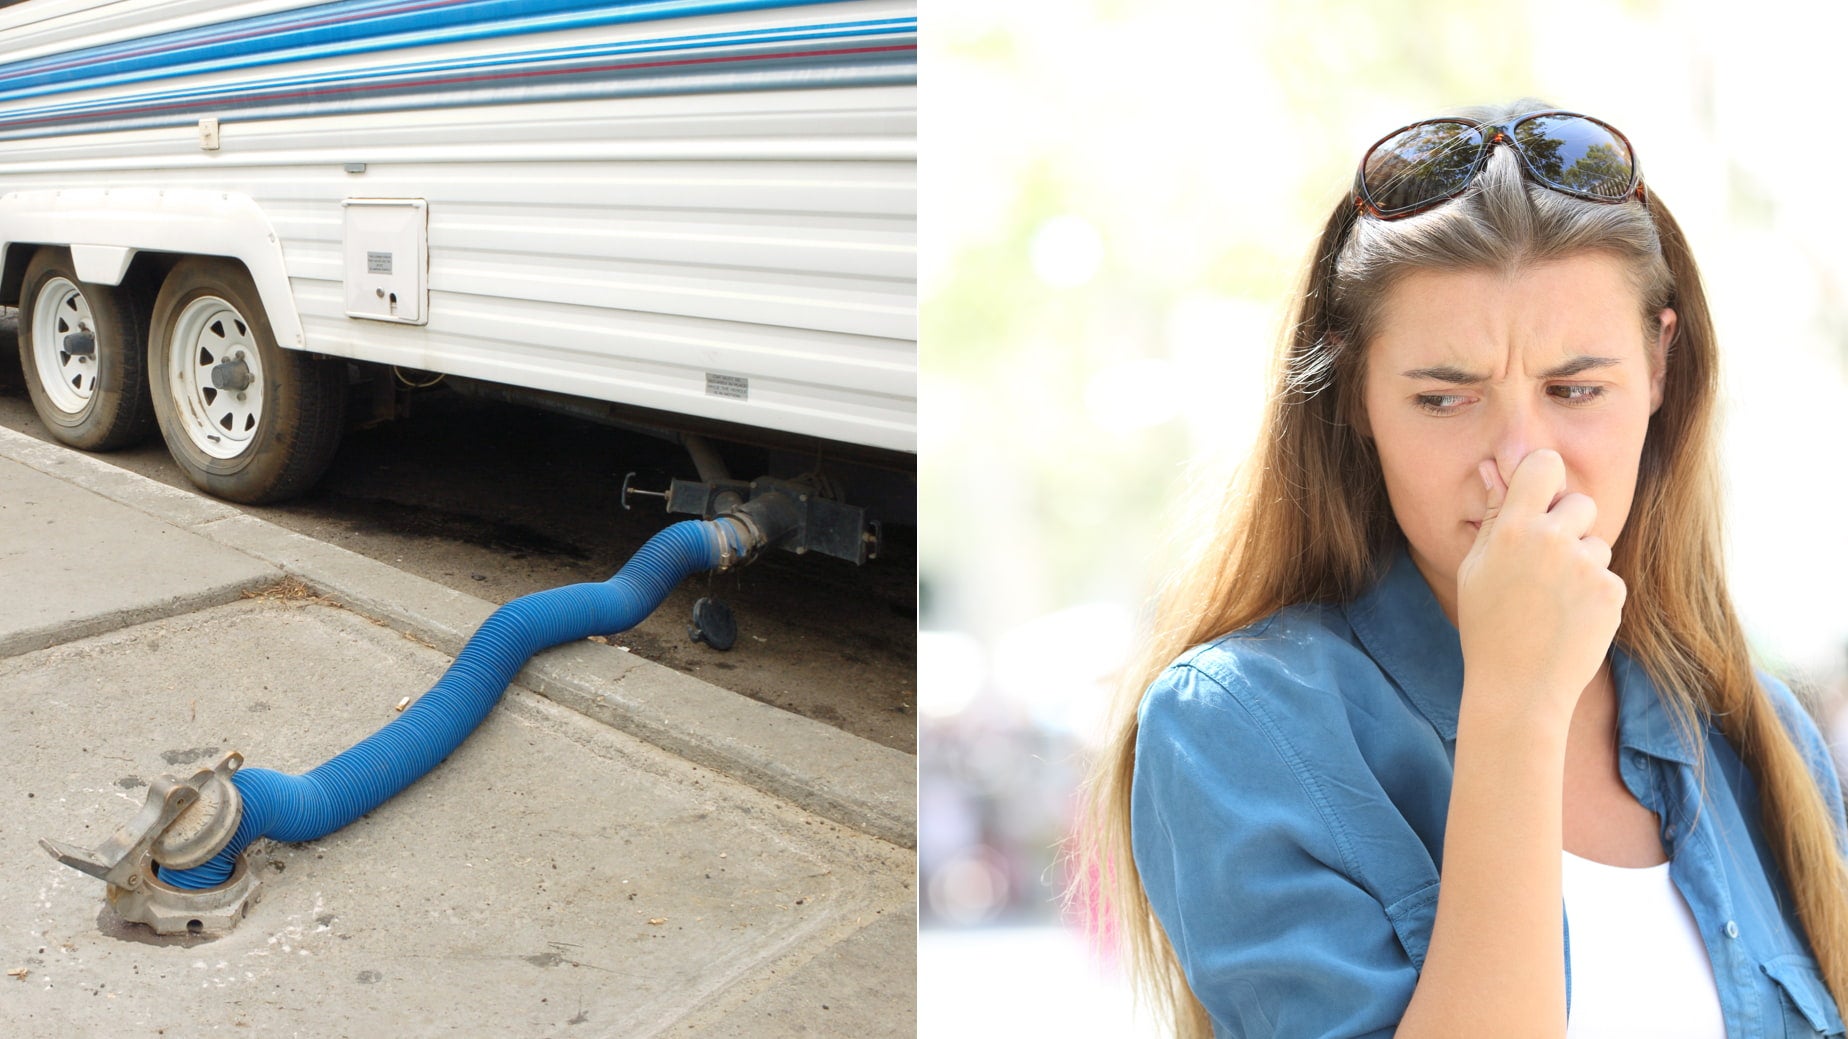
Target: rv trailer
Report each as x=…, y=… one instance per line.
x=248, y=225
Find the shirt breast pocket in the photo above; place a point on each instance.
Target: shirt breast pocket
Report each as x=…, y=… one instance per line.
x=1809, y=1011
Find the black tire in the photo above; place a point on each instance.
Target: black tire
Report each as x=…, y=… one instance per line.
x=278, y=448
x=97, y=401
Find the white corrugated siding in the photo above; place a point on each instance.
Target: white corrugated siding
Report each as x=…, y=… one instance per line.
x=619, y=249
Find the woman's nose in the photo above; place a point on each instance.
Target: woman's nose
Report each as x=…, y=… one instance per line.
x=1516, y=435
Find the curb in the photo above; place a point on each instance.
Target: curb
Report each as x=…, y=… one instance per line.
x=867, y=786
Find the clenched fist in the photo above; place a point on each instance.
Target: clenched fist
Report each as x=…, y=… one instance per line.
x=1537, y=604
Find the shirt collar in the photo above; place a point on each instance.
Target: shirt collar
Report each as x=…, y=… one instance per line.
x=1643, y=722
x=1404, y=630
x=1402, y=627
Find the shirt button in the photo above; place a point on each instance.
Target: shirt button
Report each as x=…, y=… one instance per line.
x=1732, y=929
x=1669, y=832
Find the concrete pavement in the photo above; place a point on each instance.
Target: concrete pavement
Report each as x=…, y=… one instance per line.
x=620, y=850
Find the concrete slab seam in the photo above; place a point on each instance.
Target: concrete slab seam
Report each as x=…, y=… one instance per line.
x=779, y=971
x=101, y=624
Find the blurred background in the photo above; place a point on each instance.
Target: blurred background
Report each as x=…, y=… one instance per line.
x=1118, y=197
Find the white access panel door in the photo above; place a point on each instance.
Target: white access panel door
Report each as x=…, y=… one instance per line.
x=387, y=259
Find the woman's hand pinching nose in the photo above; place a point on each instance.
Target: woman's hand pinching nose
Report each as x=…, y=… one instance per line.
x=1497, y=490
x=1537, y=606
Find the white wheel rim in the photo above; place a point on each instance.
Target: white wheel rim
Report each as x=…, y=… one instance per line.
x=220, y=417
x=59, y=312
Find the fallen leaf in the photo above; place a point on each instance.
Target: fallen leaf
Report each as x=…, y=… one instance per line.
x=658, y=921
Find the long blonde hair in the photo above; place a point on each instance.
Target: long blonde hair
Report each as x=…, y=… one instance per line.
x=1308, y=521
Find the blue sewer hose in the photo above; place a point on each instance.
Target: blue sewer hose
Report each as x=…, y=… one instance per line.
x=359, y=779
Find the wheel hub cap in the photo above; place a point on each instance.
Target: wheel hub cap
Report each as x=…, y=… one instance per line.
x=64, y=345
x=231, y=375
x=215, y=377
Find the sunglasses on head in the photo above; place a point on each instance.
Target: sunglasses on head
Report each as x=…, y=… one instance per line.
x=1419, y=166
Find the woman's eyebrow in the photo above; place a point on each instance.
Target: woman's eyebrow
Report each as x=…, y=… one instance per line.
x=1579, y=364
x=1452, y=374
x=1444, y=373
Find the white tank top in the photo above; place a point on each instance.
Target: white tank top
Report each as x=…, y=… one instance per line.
x=1639, y=967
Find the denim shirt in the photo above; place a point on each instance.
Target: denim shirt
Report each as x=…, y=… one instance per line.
x=1292, y=782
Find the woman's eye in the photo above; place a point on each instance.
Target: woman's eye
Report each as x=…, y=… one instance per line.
x=1576, y=394
x=1441, y=403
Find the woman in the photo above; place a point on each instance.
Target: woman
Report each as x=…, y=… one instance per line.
x=1462, y=650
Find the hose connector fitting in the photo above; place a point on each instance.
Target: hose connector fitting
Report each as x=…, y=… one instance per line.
x=765, y=521
x=183, y=823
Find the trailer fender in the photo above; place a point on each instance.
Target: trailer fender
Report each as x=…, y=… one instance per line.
x=106, y=227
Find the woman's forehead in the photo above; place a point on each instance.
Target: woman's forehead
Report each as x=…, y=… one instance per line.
x=1531, y=320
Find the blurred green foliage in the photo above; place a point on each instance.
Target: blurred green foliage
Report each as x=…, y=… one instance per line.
x=1238, y=126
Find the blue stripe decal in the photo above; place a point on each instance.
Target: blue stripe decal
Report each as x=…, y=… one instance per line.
x=347, y=27
x=838, y=54
x=870, y=75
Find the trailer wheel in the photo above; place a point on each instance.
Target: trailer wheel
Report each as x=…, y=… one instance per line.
x=82, y=348
x=245, y=419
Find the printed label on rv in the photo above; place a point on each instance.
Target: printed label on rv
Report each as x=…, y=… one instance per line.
x=378, y=263
x=734, y=386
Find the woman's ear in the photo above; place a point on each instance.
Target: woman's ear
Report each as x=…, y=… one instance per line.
x=1658, y=357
